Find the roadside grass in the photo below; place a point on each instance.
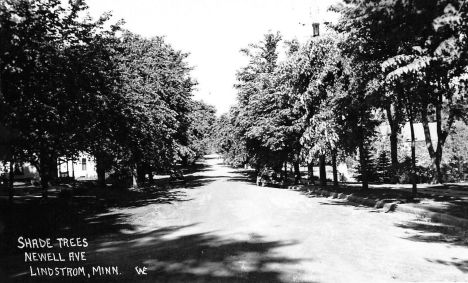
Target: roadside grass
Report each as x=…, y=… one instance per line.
x=440, y=203
x=434, y=198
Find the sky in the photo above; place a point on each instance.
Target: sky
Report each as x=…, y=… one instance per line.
x=214, y=31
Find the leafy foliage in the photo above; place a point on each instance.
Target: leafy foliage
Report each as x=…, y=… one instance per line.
x=156, y=92
x=46, y=62
x=70, y=85
x=202, y=118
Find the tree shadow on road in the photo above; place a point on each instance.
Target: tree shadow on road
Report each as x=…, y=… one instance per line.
x=457, y=208
x=145, y=196
x=423, y=231
x=419, y=230
x=332, y=201
x=59, y=217
x=242, y=180
x=162, y=192
x=462, y=265
x=55, y=219
x=201, y=180
x=89, y=216
x=173, y=255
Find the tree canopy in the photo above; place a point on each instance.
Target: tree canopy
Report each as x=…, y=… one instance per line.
x=70, y=84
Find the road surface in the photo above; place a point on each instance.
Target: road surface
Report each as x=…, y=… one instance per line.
x=224, y=229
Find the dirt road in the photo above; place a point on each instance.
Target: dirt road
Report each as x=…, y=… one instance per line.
x=224, y=229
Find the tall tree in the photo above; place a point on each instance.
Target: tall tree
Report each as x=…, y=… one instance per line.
x=42, y=79
x=256, y=99
x=418, y=41
x=156, y=91
x=313, y=82
x=438, y=61
x=202, y=118
x=229, y=138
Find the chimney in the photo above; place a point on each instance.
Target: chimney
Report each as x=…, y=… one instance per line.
x=315, y=28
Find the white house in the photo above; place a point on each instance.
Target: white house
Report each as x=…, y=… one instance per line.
x=418, y=132
x=82, y=167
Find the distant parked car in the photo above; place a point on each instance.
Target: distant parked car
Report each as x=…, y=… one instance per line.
x=177, y=177
x=269, y=177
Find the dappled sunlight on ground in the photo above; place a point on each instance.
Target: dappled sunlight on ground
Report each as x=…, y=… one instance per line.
x=224, y=228
x=188, y=257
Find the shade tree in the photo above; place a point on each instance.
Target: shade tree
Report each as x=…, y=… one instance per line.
x=42, y=86
x=257, y=104
x=156, y=94
x=69, y=85
x=421, y=48
x=202, y=118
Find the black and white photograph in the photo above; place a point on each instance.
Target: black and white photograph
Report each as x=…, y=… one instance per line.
x=244, y=141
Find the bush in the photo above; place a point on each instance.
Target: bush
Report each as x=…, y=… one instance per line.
x=423, y=174
x=455, y=170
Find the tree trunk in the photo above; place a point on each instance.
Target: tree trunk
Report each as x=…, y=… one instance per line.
x=285, y=172
x=150, y=175
x=45, y=177
x=335, y=171
x=73, y=172
x=430, y=147
x=141, y=172
x=10, y=182
x=101, y=171
x=297, y=173
x=44, y=169
x=393, y=142
x=134, y=177
x=413, y=160
x=323, y=171
x=54, y=171
x=410, y=111
x=184, y=161
x=363, y=161
x=310, y=172
x=1, y=93
x=441, y=136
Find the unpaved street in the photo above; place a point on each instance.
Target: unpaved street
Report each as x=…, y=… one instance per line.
x=224, y=229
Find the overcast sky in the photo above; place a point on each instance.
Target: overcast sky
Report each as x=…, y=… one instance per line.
x=213, y=32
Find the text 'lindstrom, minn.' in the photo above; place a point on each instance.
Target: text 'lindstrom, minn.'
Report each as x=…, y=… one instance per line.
x=74, y=271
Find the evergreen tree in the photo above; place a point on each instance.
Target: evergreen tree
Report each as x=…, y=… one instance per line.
x=372, y=173
x=383, y=167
